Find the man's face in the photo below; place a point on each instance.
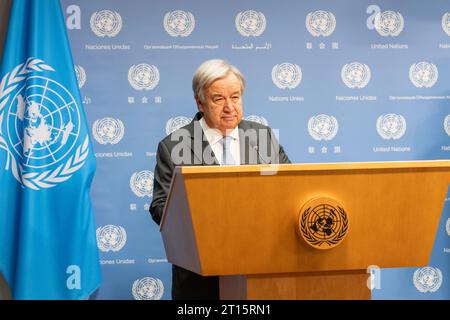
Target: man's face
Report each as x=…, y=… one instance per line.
x=222, y=108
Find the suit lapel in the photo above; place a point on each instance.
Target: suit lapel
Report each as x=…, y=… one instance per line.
x=199, y=144
x=248, y=144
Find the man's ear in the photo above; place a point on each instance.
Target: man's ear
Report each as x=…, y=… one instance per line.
x=200, y=105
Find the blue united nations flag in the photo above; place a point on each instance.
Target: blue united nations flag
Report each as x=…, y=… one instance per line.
x=48, y=246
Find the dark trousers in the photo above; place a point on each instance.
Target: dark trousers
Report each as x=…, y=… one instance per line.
x=187, y=285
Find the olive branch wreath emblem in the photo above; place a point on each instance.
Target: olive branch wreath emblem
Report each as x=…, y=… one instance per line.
x=48, y=178
x=331, y=242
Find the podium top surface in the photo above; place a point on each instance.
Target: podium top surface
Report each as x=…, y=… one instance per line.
x=187, y=170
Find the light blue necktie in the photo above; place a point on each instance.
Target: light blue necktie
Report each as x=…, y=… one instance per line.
x=227, y=157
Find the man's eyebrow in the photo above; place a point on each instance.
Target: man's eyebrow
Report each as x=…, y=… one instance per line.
x=221, y=95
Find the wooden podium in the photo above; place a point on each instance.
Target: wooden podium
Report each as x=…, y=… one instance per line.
x=242, y=223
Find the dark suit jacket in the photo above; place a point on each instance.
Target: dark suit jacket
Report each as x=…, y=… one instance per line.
x=188, y=146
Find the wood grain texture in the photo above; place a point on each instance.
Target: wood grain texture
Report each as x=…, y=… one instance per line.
x=332, y=285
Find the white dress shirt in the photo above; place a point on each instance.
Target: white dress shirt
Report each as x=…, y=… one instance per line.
x=214, y=138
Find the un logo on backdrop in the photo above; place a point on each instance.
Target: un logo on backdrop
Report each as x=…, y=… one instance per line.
x=141, y=183
x=286, y=75
x=148, y=289
x=447, y=124
x=106, y=23
x=391, y=126
x=143, y=76
x=355, y=75
x=176, y=123
x=427, y=279
x=446, y=23
x=389, y=23
x=257, y=119
x=81, y=76
x=320, y=23
x=250, y=23
x=423, y=74
x=179, y=23
x=447, y=226
x=40, y=127
x=323, y=127
x=108, y=130
x=111, y=238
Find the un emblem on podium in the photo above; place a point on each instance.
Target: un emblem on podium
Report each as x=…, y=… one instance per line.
x=323, y=223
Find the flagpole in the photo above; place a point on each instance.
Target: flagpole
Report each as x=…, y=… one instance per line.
x=5, y=7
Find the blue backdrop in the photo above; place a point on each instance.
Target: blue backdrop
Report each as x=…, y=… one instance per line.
x=347, y=81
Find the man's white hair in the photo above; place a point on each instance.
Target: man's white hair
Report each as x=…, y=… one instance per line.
x=210, y=71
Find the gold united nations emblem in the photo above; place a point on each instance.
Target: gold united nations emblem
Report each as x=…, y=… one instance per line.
x=323, y=223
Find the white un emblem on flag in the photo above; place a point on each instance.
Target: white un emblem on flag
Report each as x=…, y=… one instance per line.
x=41, y=119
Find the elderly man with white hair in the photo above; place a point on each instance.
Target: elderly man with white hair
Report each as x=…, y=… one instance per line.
x=216, y=136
